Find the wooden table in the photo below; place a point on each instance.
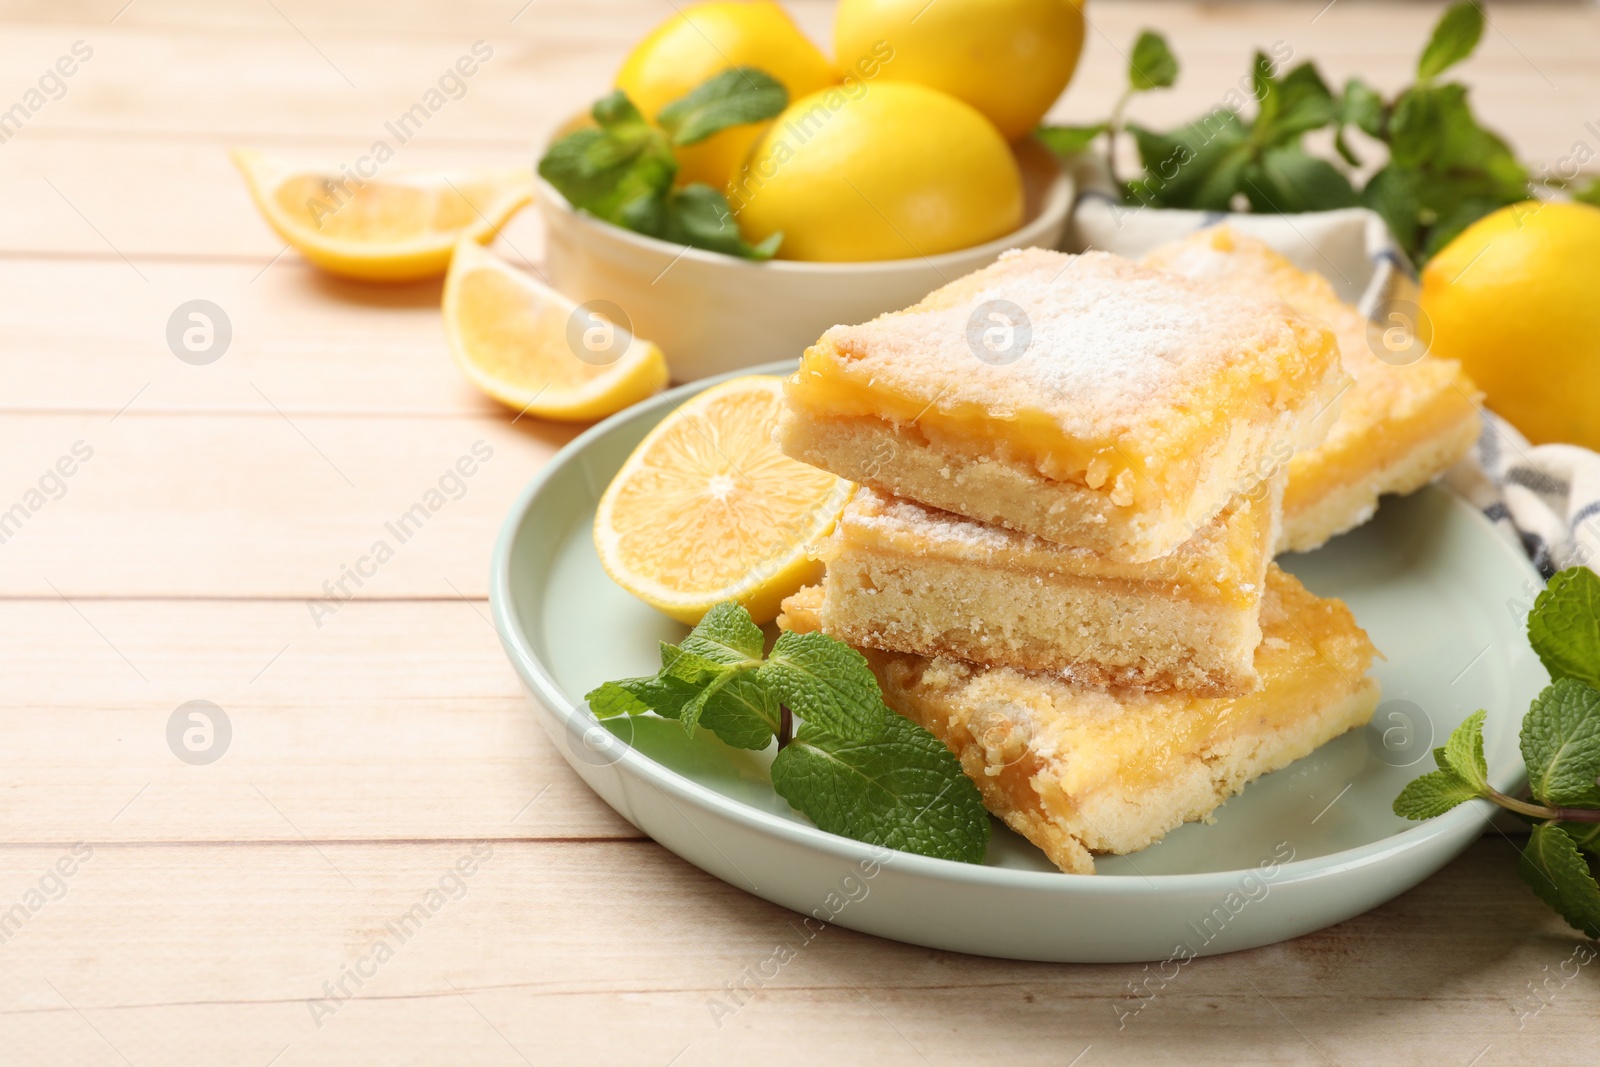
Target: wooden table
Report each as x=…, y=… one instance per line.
x=209, y=907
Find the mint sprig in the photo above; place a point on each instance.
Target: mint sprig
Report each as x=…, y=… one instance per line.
x=1444, y=171
x=896, y=790
x=737, y=96
x=622, y=169
x=1564, y=626
x=1560, y=743
x=854, y=768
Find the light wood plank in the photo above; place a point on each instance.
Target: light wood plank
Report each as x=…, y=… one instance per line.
x=611, y=953
x=310, y=342
x=265, y=504
x=390, y=721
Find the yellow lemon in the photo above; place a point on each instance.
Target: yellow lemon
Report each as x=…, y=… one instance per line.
x=385, y=228
x=1516, y=298
x=878, y=170
x=1010, y=59
x=535, y=350
x=706, y=39
x=707, y=509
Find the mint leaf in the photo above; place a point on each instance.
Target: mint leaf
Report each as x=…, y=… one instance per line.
x=1557, y=871
x=1589, y=194
x=687, y=667
x=741, y=712
x=610, y=170
x=725, y=634
x=1564, y=625
x=1195, y=166
x=601, y=172
x=1304, y=104
x=1152, y=64
x=733, y=704
x=617, y=114
x=1455, y=35
x=1392, y=194
x=903, y=790
x=734, y=97
x=1433, y=794
x=1287, y=180
x=1065, y=140
x=1586, y=835
x=617, y=698
x=1361, y=106
x=699, y=216
x=1264, y=87
x=1464, y=752
x=827, y=683
x=1561, y=745
x=634, y=696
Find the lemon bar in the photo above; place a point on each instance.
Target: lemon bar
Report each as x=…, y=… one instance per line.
x=1084, y=399
x=903, y=577
x=1396, y=428
x=1084, y=771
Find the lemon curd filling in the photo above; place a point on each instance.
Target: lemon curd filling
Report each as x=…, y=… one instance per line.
x=1132, y=470
x=1033, y=438
x=1349, y=457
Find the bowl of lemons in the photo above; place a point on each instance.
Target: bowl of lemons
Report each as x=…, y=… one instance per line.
x=739, y=192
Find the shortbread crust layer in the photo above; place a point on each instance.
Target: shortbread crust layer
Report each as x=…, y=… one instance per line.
x=906, y=578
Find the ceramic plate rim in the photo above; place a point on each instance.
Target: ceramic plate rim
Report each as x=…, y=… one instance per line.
x=541, y=681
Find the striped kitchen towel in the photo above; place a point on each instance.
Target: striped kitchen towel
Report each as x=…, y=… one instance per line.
x=1545, y=497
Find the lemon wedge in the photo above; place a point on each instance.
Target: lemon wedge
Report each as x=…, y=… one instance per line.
x=537, y=351
x=388, y=228
x=707, y=509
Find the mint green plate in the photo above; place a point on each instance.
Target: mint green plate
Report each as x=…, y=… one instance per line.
x=1439, y=591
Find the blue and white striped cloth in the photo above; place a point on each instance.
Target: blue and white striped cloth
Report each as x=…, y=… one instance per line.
x=1545, y=497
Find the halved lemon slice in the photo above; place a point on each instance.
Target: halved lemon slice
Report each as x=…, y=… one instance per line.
x=535, y=350
x=388, y=228
x=707, y=509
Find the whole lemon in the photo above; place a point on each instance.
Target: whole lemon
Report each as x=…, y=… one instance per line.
x=706, y=39
x=880, y=170
x=1010, y=59
x=1516, y=298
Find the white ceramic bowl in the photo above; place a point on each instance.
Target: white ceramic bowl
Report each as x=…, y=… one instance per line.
x=712, y=313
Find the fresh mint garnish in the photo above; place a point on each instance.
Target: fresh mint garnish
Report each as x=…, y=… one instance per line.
x=1151, y=64
x=1560, y=743
x=902, y=790
x=622, y=169
x=1564, y=626
x=1561, y=876
x=825, y=682
x=1463, y=753
x=1444, y=172
x=855, y=768
x=1454, y=37
x=736, y=96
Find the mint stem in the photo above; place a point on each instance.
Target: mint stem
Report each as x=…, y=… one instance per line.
x=1540, y=811
x=785, y=726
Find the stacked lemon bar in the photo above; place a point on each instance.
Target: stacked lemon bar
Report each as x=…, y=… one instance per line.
x=1058, y=558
